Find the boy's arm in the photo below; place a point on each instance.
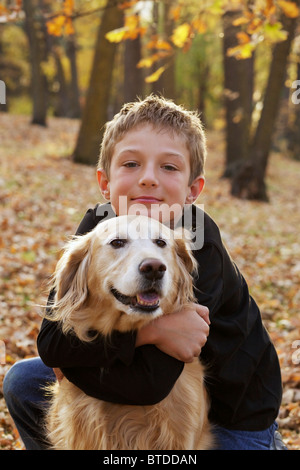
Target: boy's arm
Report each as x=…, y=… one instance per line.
x=58, y=350
x=146, y=381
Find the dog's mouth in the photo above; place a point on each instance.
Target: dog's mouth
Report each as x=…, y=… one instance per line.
x=147, y=301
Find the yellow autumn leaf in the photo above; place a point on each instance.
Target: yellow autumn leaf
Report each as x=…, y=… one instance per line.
x=130, y=30
x=254, y=26
x=175, y=13
x=3, y=10
x=131, y=22
x=243, y=51
x=181, y=34
x=161, y=44
x=158, y=43
x=125, y=5
x=290, y=9
x=243, y=38
x=116, y=35
x=270, y=8
x=155, y=76
x=55, y=26
x=199, y=25
x=241, y=20
x=69, y=28
x=148, y=61
x=68, y=7
x=274, y=32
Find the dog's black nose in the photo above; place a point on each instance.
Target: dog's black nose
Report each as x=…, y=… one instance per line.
x=152, y=268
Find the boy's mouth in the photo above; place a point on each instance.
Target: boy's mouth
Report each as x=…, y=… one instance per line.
x=147, y=301
x=146, y=200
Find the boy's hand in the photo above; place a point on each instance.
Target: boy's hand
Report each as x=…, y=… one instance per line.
x=181, y=334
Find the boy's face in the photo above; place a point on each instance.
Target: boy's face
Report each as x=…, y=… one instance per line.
x=150, y=172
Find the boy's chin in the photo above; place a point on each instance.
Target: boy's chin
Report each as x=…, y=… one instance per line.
x=164, y=213
x=161, y=212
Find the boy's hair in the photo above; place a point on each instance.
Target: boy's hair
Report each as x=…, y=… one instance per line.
x=162, y=114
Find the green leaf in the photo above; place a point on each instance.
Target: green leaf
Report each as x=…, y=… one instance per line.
x=274, y=32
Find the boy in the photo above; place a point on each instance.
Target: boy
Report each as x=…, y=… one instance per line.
x=152, y=160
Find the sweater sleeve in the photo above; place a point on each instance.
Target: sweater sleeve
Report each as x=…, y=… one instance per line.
x=244, y=381
x=59, y=350
x=146, y=381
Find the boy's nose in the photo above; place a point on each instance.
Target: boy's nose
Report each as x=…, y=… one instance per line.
x=148, y=177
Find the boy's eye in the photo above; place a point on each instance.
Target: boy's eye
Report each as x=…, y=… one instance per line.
x=170, y=167
x=130, y=164
x=118, y=243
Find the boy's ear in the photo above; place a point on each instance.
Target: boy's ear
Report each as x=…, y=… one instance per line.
x=195, y=189
x=103, y=183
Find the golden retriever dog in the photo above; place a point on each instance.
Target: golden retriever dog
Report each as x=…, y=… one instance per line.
x=123, y=274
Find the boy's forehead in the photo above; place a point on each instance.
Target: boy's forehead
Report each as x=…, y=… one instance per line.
x=134, y=140
x=146, y=128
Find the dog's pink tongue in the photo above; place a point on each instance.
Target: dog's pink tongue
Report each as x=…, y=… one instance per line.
x=147, y=298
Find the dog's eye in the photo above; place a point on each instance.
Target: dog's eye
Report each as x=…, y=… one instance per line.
x=160, y=242
x=118, y=243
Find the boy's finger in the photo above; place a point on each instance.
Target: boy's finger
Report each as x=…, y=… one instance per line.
x=203, y=312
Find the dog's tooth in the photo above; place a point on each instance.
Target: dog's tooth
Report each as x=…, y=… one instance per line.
x=146, y=302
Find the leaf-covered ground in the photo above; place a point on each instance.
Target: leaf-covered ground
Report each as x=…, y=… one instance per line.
x=43, y=196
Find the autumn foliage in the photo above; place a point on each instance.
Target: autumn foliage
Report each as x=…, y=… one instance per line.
x=260, y=20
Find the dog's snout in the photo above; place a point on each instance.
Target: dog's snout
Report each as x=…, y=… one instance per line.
x=152, y=269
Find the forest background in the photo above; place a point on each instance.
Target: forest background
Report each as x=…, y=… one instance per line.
x=66, y=67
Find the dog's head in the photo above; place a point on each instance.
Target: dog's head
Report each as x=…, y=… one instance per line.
x=124, y=273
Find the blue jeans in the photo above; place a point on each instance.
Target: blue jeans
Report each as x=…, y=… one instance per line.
x=25, y=400
x=23, y=393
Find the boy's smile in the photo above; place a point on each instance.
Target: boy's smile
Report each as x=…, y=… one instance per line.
x=150, y=168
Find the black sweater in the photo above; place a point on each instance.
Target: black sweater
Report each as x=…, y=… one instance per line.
x=244, y=381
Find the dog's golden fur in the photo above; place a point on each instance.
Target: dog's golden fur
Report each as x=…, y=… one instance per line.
x=85, y=278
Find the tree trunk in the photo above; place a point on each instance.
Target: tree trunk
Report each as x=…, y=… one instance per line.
x=133, y=77
x=162, y=26
x=168, y=77
x=202, y=90
x=97, y=100
x=294, y=124
x=249, y=181
x=61, y=104
x=74, y=110
x=238, y=85
x=35, y=30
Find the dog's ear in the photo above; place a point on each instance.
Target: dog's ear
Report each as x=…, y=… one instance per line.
x=183, y=250
x=70, y=279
